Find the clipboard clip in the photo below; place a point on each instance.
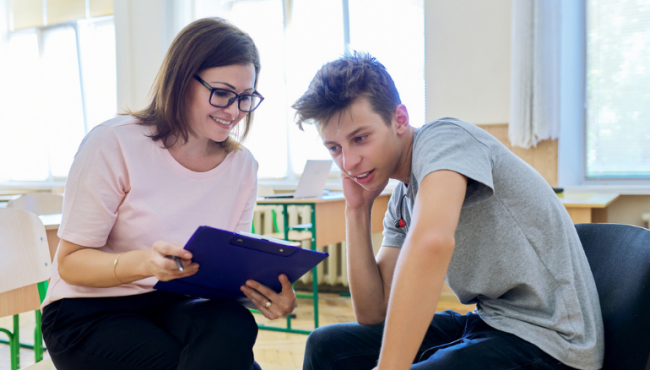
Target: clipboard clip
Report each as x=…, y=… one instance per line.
x=259, y=243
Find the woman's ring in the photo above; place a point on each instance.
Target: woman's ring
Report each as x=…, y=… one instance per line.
x=267, y=304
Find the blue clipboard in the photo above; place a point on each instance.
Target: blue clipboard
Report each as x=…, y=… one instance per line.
x=227, y=259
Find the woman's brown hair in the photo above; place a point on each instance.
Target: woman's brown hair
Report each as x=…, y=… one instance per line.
x=205, y=43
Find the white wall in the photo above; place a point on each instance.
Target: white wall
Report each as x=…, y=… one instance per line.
x=144, y=29
x=4, y=28
x=467, y=53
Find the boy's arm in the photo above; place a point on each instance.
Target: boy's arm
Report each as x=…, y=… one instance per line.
x=422, y=266
x=369, y=277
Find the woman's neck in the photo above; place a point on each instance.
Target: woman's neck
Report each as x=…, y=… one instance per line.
x=198, y=155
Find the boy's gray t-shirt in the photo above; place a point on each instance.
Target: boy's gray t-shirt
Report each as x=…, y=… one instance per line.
x=517, y=254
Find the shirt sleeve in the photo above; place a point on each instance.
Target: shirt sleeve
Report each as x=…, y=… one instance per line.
x=447, y=146
x=96, y=186
x=394, y=236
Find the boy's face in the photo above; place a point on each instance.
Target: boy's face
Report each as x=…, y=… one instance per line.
x=363, y=146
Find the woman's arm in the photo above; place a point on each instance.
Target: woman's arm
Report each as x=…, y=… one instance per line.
x=84, y=266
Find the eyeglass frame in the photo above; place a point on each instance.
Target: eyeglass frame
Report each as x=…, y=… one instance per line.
x=237, y=97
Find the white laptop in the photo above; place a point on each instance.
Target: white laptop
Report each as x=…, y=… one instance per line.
x=312, y=182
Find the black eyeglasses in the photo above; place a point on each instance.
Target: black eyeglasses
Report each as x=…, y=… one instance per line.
x=223, y=98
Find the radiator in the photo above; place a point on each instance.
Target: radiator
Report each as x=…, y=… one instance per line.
x=333, y=270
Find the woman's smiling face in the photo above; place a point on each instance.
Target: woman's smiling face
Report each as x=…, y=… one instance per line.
x=208, y=121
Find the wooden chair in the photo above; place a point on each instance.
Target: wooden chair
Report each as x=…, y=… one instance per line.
x=24, y=270
x=38, y=203
x=41, y=204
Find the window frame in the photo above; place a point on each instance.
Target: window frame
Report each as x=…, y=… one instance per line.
x=55, y=181
x=572, y=148
x=293, y=174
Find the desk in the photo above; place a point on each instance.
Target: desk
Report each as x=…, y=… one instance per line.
x=4, y=199
x=328, y=227
x=328, y=215
x=587, y=208
x=7, y=198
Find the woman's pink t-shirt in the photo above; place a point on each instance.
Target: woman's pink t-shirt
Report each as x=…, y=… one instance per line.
x=125, y=192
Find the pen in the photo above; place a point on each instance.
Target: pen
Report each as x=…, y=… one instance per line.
x=178, y=263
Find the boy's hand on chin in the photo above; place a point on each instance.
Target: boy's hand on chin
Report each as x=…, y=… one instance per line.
x=356, y=196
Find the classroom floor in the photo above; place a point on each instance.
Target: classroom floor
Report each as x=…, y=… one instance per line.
x=273, y=350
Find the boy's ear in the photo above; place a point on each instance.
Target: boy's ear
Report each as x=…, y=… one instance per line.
x=401, y=117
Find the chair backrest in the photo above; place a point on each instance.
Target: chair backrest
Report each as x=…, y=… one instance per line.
x=39, y=203
x=619, y=257
x=25, y=260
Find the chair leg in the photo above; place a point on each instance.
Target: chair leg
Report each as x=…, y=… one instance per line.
x=38, y=333
x=315, y=269
x=314, y=281
x=274, y=216
x=15, y=345
x=289, y=322
x=10, y=335
x=38, y=338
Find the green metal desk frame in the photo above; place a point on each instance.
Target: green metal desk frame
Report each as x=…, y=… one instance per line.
x=314, y=273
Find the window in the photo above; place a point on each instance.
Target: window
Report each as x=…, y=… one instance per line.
x=296, y=38
x=61, y=82
x=618, y=89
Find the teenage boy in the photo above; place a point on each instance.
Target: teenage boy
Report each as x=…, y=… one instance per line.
x=466, y=211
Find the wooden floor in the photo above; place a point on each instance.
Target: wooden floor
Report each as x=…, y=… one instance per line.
x=273, y=350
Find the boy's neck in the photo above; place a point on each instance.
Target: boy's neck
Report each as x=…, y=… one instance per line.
x=403, y=171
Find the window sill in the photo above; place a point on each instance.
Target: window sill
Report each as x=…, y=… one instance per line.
x=616, y=188
x=291, y=185
x=23, y=187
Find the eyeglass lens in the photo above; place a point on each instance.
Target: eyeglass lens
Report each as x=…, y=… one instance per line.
x=223, y=98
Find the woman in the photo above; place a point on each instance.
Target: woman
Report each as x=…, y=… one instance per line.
x=139, y=187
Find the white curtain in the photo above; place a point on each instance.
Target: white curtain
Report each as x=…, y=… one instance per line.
x=535, y=72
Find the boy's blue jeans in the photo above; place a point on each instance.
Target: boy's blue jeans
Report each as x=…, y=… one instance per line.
x=452, y=342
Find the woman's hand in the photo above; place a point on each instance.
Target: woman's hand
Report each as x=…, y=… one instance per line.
x=281, y=305
x=162, y=265
x=357, y=197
